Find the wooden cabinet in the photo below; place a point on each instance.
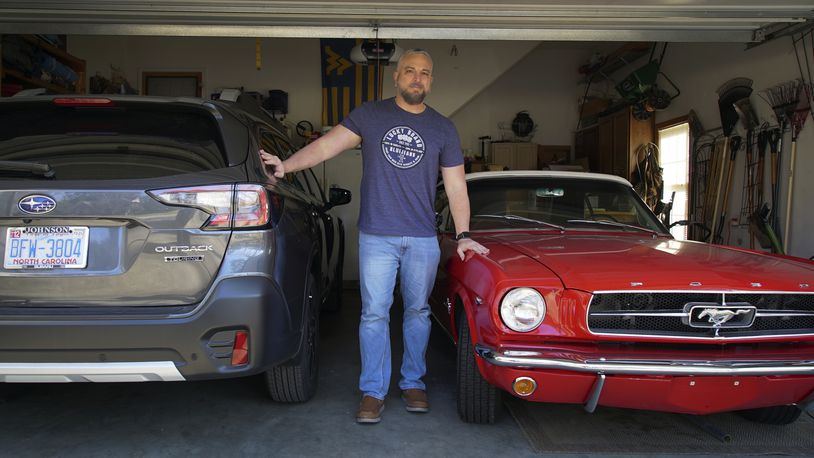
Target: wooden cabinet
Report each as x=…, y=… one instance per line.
x=31, y=62
x=611, y=144
x=586, y=145
x=515, y=156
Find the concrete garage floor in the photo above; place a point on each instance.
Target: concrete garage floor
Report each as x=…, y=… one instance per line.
x=235, y=418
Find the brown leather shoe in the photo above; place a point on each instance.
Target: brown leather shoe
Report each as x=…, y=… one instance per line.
x=370, y=410
x=416, y=400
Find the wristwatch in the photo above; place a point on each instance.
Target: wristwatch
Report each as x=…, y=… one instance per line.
x=462, y=235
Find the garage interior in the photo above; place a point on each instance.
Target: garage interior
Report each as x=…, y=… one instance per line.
x=560, y=63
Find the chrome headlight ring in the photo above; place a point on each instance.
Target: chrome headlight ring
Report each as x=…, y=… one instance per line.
x=522, y=309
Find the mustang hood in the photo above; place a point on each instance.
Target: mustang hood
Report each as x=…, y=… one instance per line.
x=597, y=263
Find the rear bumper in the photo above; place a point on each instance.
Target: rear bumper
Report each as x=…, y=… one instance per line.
x=684, y=385
x=155, y=348
x=145, y=371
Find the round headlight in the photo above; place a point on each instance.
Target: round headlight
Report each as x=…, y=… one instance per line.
x=522, y=309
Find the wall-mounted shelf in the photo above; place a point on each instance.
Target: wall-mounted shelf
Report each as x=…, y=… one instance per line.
x=37, y=51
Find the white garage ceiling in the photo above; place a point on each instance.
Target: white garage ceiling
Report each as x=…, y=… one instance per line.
x=592, y=20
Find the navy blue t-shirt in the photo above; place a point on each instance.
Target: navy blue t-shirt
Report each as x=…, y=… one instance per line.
x=401, y=155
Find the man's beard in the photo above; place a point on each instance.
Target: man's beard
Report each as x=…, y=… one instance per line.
x=413, y=98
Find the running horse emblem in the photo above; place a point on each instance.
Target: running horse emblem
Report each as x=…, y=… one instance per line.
x=720, y=316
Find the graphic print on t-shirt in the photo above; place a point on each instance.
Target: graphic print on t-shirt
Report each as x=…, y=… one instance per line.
x=403, y=147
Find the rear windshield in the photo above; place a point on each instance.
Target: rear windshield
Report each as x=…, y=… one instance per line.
x=125, y=141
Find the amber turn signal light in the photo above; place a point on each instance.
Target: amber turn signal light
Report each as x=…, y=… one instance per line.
x=524, y=386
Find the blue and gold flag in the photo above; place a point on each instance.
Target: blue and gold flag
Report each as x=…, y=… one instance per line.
x=345, y=85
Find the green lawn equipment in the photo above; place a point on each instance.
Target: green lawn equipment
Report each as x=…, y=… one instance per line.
x=641, y=91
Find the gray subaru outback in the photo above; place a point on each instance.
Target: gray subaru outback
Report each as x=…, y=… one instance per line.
x=144, y=240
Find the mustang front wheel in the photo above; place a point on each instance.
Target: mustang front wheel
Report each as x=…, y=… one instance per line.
x=478, y=401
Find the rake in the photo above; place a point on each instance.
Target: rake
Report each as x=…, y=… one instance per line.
x=783, y=98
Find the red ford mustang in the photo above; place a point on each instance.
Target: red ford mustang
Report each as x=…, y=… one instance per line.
x=586, y=298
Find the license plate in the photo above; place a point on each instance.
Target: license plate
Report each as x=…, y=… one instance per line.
x=46, y=247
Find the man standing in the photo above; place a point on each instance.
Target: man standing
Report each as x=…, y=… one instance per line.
x=404, y=143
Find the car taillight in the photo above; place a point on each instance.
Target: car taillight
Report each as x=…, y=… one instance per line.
x=242, y=206
x=83, y=101
x=252, y=206
x=240, y=349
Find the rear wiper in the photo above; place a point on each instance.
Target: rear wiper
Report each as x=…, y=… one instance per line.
x=34, y=168
x=615, y=224
x=520, y=218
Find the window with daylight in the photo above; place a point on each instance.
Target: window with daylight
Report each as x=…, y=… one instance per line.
x=674, y=146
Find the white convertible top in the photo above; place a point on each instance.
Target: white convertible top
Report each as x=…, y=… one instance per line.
x=545, y=174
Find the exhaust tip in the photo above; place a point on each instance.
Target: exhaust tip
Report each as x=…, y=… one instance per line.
x=524, y=386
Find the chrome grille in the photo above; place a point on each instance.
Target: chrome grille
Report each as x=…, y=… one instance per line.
x=665, y=314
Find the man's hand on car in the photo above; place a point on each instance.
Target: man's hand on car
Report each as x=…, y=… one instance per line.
x=276, y=164
x=468, y=247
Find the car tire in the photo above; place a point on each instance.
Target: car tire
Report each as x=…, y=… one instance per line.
x=478, y=401
x=296, y=381
x=774, y=415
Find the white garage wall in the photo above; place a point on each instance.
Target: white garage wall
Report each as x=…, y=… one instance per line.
x=542, y=83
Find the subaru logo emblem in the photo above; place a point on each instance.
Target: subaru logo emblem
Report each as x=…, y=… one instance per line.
x=36, y=204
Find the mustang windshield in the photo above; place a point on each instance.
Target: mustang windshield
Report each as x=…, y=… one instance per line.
x=560, y=201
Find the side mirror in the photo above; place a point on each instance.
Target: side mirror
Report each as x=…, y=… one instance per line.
x=338, y=196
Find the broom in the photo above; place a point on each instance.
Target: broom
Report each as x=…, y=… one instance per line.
x=728, y=93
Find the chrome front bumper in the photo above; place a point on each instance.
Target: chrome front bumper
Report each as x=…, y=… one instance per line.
x=577, y=363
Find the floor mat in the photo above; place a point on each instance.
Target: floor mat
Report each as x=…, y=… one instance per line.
x=563, y=428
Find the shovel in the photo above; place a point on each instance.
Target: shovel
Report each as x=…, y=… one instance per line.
x=730, y=92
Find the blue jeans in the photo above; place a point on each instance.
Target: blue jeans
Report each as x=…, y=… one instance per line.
x=381, y=257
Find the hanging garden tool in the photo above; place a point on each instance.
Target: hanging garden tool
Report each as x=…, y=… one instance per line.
x=713, y=167
x=783, y=98
x=748, y=199
x=729, y=93
x=759, y=227
x=734, y=146
x=749, y=119
x=775, y=146
x=798, y=119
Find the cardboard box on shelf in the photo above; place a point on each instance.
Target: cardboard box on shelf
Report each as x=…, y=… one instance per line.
x=477, y=166
x=594, y=106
